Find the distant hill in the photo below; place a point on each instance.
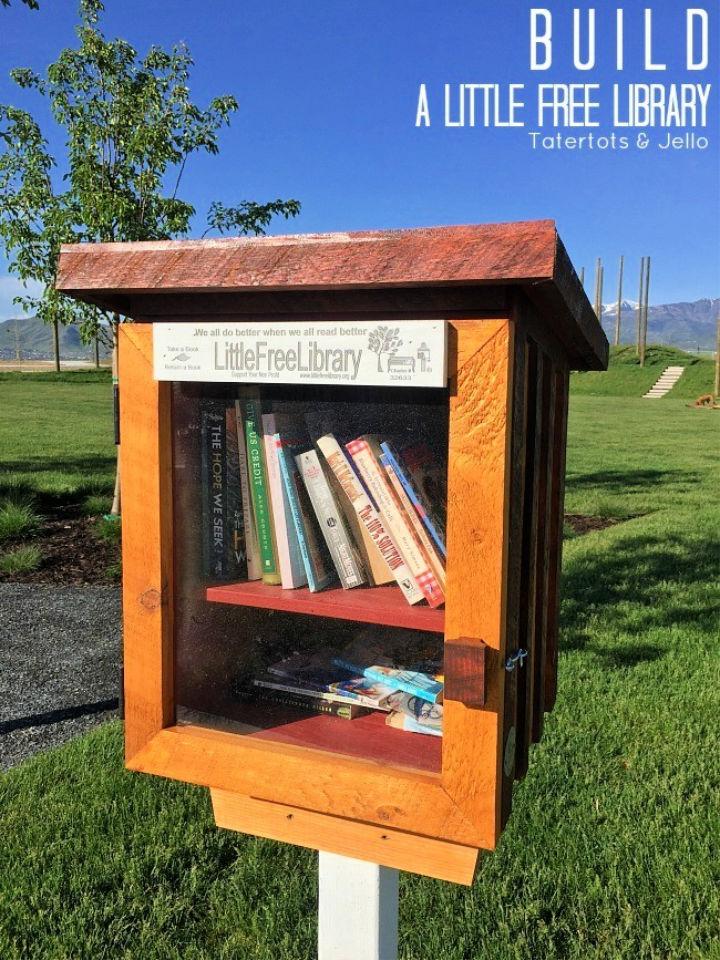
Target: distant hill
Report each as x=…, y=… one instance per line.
x=690, y=326
x=32, y=339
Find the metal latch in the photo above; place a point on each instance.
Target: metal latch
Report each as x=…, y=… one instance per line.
x=516, y=659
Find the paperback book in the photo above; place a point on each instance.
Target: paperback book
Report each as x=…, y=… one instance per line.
x=343, y=550
x=409, y=681
x=315, y=556
x=369, y=518
x=364, y=452
x=290, y=561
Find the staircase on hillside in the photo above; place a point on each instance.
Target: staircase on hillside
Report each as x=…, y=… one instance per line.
x=665, y=382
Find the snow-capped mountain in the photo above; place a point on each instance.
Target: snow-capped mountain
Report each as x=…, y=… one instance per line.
x=690, y=326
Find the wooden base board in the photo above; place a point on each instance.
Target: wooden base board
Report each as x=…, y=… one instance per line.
x=305, y=828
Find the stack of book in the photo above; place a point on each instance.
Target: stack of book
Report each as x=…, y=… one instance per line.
x=328, y=683
x=297, y=511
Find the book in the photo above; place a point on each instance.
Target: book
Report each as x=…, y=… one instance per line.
x=252, y=550
x=409, y=681
x=259, y=490
x=310, y=670
x=430, y=549
x=292, y=569
x=319, y=568
x=330, y=517
x=368, y=516
x=429, y=480
x=421, y=711
x=220, y=508
x=235, y=518
x=335, y=708
x=426, y=511
x=360, y=691
x=364, y=452
x=402, y=721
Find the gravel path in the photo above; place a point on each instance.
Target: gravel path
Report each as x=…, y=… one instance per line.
x=59, y=664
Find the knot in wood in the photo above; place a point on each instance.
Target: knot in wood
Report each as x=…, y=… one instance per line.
x=150, y=599
x=388, y=813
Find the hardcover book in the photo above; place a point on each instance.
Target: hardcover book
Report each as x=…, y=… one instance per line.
x=252, y=549
x=222, y=523
x=364, y=452
x=290, y=561
x=259, y=490
x=332, y=522
x=310, y=700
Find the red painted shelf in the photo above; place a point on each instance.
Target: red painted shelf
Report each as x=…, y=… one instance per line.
x=383, y=605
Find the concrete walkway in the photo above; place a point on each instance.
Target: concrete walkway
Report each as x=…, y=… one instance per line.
x=59, y=664
x=665, y=382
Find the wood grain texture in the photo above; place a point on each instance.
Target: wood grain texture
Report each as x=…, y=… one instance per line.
x=557, y=508
x=146, y=460
x=527, y=254
x=465, y=673
x=312, y=779
x=305, y=828
x=478, y=482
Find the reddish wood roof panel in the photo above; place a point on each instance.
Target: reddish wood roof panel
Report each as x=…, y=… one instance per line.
x=527, y=253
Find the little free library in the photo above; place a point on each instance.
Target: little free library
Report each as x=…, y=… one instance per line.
x=342, y=462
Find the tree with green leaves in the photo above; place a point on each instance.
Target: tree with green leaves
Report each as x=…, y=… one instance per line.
x=131, y=129
x=33, y=4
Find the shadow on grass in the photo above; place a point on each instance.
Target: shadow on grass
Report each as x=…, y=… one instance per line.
x=639, y=583
x=55, y=488
x=620, y=481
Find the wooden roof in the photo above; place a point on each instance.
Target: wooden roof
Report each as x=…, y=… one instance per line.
x=528, y=254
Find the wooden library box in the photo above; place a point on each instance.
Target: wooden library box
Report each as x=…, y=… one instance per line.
x=342, y=461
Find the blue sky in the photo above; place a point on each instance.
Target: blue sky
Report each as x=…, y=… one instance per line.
x=328, y=94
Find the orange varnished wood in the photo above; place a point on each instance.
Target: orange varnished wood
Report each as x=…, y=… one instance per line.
x=145, y=458
x=305, y=828
x=478, y=480
x=299, y=776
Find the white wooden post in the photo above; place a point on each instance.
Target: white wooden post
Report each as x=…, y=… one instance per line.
x=358, y=910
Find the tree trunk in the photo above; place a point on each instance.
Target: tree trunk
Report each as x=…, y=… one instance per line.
x=56, y=343
x=115, y=509
x=97, y=353
x=619, y=302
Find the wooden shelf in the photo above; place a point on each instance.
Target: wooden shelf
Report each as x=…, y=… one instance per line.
x=382, y=605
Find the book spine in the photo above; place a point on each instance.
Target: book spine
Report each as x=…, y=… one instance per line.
x=213, y=450
x=368, y=516
x=423, y=511
x=310, y=693
x=425, y=542
x=329, y=515
x=314, y=570
x=252, y=550
x=259, y=491
x=237, y=554
x=277, y=503
x=391, y=514
x=347, y=711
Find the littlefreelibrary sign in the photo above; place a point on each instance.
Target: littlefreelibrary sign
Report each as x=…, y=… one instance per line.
x=410, y=354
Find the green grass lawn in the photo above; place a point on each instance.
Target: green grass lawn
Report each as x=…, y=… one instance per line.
x=613, y=848
x=56, y=435
x=626, y=378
